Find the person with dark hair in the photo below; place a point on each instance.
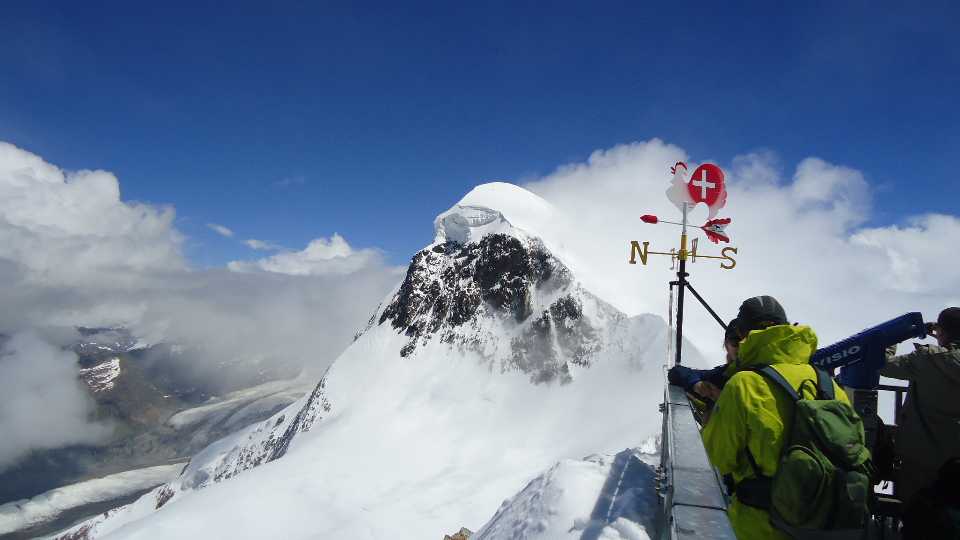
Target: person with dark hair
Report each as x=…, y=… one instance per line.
x=703, y=386
x=929, y=428
x=707, y=383
x=748, y=427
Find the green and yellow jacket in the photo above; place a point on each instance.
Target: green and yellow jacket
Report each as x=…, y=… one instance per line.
x=753, y=415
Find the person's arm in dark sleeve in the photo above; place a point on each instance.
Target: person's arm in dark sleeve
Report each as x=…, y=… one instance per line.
x=687, y=377
x=683, y=377
x=716, y=376
x=906, y=366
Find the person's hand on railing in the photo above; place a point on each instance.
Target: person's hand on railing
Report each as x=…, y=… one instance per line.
x=683, y=377
x=707, y=390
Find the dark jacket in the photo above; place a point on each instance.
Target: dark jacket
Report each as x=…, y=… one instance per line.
x=688, y=377
x=929, y=431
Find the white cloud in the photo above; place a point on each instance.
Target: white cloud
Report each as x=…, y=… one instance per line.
x=71, y=228
x=221, y=230
x=43, y=402
x=72, y=253
x=322, y=256
x=918, y=259
x=799, y=239
x=818, y=183
x=261, y=245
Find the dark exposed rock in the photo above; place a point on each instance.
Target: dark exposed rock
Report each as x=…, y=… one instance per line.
x=450, y=287
x=445, y=285
x=370, y=324
x=264, y=447
x=83, y=533
x=164, y=496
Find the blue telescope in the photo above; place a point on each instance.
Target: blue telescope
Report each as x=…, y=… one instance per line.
x=861, y=356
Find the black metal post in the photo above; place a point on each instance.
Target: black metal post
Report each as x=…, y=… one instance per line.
x=681, y=286
x=706, y=305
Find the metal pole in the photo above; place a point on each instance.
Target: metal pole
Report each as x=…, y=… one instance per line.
x=682, y=282
x=706, y=305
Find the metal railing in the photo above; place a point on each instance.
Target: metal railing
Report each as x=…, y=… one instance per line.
x=898, y=392
x=693, y=503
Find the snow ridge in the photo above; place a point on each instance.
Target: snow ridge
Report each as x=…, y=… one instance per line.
x=247, y=449
x=262, y=443
x=607, y=497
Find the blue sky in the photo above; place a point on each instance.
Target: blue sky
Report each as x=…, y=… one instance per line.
x=290, y=121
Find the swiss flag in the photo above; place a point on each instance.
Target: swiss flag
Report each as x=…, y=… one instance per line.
x=706, y=184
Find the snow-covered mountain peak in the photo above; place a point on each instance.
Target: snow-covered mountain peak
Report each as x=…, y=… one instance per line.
x=495, y=288
x=463, y=224
x=492, y=208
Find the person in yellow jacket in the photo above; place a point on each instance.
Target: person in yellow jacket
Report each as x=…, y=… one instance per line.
x=747, y=429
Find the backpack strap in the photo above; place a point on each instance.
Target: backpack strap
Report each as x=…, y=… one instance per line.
x=825, y=389
x=777, y=378
x=756, y=491
x=825, y=385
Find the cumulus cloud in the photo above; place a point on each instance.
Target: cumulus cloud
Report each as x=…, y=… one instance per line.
x=43, y=403
x=322, y=256
x=800, y=237
x=221, y=230
x=915, y=255
x=73, y=253
x=71, y=228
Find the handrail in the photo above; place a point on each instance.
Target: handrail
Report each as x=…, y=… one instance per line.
x=693, y=504
x=898, y=392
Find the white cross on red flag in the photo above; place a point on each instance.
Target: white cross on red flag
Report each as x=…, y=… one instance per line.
x=707, y=186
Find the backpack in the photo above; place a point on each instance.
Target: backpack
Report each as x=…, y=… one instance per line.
x=822, y=487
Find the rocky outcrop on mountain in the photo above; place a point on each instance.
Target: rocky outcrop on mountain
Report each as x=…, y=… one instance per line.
x=98, y=341
x=503, y=283
x=450, y=284
x=270, y=440
x=259, y=444
x=102, y=376
x=463, y=534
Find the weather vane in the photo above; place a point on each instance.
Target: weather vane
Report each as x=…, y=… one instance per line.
x=706, y=185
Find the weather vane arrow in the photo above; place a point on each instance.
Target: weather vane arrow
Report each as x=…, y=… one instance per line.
x=706, y=185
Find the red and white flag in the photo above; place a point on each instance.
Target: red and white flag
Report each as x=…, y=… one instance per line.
x=716, y=230
x=707, y=186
